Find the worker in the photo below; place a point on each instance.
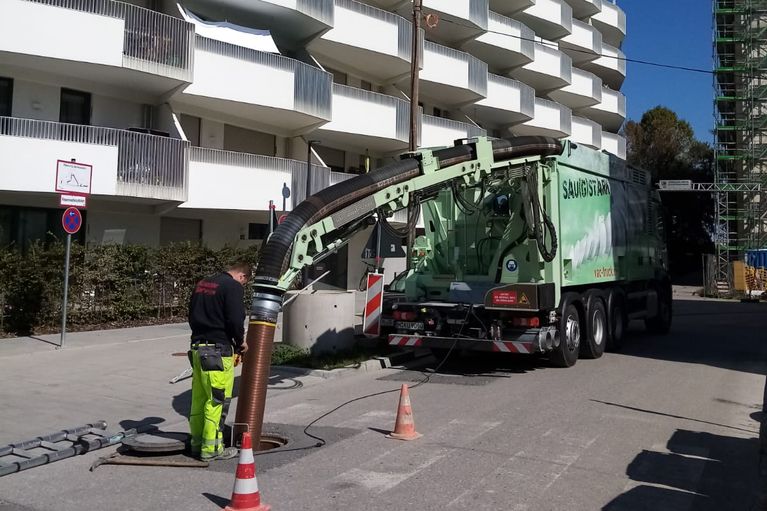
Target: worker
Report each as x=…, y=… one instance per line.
x=217, y=319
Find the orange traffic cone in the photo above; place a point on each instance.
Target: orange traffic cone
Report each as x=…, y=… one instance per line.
x=404, y=427
x=245, y=496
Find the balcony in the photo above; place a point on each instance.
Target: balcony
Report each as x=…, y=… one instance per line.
x=611, y=67
x=509, y=7
x=550, y=119
x=508, y=102
x=585, y=8
x=458, y=19
x=293, y=22
x=611, y=22
x=451, y=77
x=585, y=90
x=257, y=89
x=106, y=42
x=366, y=121
x=610, y=113
x=550, y=69
x=438, y=131
x=583, y=45
x=259, y=179
x=614, y=144
x=507, y=44
x=586, y=132
x=125, y=163
x=551, y=19
x=375, y=43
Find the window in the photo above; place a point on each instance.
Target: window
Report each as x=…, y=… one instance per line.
x=366, y=85
x=21, y=226
x=338, y=76
x=75, y=107
x=6, y=96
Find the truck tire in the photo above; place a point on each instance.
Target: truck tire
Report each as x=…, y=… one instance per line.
x=617, y=320
x=595, y=338
x=661, y=322
x=566, y=354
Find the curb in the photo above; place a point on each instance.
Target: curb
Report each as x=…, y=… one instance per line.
x=368, y=366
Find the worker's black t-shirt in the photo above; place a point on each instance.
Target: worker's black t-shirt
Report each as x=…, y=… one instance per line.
x=217, y=312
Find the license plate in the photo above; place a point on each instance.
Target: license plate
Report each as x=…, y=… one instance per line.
x=409, y=325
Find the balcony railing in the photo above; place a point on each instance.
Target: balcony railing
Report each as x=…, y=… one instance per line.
x=340, y=177
x=320, y=176
x=147, y=165
x=318, y=9
x=477, y=79
x=154, y=42
x=312, y=89
x=441, y=122
x=401, y=107
x=404, y=27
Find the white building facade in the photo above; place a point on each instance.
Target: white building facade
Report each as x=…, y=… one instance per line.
x=192, y=124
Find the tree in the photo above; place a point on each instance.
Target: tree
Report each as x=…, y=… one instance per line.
x=665, y=145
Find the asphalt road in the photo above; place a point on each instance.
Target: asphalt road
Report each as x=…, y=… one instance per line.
x=670, y=423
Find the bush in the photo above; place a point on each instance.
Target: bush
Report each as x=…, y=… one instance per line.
x=109, y=285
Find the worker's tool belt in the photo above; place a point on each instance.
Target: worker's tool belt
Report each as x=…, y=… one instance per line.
x=210, y=355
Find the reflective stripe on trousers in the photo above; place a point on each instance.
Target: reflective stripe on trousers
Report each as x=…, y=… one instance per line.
x=211, y=394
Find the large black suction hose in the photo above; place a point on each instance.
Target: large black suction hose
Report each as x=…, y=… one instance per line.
x=274, y=257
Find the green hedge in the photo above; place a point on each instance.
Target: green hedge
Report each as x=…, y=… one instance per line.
x=109, y=285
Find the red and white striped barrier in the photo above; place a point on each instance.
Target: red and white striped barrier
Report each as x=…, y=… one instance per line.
x=404, y=340
x=371, y=324
x=513, y=347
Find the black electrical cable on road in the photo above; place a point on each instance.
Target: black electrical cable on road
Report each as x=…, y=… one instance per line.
x=322, y=442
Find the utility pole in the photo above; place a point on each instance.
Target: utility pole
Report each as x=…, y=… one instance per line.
x=413, y=142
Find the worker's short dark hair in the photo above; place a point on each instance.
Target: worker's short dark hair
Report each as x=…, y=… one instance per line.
x=241, y=266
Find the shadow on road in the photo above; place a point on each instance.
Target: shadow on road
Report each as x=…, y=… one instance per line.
x=701, y=471
x=729, y=338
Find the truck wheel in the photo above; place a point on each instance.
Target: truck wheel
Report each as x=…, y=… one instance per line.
x=566, y=354
x=596, y=327
x=617, y=321
x=661, y=323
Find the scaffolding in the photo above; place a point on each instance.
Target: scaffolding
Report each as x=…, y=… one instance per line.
x=740, y=82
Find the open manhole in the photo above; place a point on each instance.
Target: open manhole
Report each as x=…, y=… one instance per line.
x=270, y=441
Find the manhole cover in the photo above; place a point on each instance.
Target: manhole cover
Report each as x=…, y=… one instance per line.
x=269, y=441
x=157, y=442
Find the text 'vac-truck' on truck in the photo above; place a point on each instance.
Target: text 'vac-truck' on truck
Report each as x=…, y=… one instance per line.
x=530, y=245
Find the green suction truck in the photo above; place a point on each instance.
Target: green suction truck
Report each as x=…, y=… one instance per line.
x=547, y=253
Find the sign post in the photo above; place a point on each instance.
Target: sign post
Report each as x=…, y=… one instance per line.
x=71, y=221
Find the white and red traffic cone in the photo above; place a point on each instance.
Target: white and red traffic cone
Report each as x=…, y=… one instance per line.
x=404, y=426
x=245, y=496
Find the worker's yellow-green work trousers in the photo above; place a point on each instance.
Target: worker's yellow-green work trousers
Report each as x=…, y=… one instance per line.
x=211, y=394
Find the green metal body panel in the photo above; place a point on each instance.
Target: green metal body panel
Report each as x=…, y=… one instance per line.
x=603, y=213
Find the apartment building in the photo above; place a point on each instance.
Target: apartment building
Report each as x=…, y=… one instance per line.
x=194, y=115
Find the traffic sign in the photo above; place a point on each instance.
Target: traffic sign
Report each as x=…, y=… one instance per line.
x=71, y=220
x=73, y=200
x=73, y=178
x=675, y=184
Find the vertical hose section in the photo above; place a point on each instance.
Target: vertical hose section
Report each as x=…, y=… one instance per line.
x=275, y=256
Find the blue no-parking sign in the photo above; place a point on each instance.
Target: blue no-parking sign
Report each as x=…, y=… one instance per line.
x=71, y=220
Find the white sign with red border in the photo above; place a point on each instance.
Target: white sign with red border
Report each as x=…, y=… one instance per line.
x=78, y=201
x=73, y=178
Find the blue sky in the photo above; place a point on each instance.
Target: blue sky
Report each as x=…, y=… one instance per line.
x=676, y=32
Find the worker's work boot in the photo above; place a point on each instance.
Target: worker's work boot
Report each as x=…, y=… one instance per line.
x=226, y=454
